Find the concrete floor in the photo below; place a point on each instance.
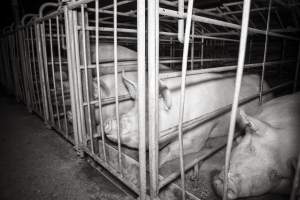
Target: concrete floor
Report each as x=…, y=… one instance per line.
x=38, y=164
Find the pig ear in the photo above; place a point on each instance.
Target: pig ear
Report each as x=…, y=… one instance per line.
x=166, y=95
x=258, y=127
x=103, y=85
x=130, y=85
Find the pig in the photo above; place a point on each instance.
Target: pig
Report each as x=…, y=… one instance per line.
x=107, y=82
x=264, y=159
x=204, y=94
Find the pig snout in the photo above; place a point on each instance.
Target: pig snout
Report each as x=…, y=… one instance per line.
x=110, y=126
x=218, y=184
x=127, y=130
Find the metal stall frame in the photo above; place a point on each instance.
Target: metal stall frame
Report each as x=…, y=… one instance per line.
x=107, y=150
x=52, y=42
x=79, y=23
x=34, y=74
x=152, y=117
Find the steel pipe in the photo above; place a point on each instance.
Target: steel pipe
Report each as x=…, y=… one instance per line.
x=239, y=75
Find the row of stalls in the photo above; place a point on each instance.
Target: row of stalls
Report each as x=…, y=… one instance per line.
x=60, y=61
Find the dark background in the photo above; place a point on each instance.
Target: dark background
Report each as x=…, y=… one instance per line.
x=26, y=6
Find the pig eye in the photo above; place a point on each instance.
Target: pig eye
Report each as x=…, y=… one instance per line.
x=251, y=148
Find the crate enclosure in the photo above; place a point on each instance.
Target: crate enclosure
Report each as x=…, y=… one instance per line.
x=104, y=73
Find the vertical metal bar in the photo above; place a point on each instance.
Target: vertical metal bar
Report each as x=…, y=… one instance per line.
x=182, y=92
x=38, y=36
x=75, y=73
x=180, y=21
x=141, y=94
x=29, y=64
x=265, y=52
x=71, y=78
x=116, y=84
x=61, y=78
x=37, y=80
x=296, y=181
x=238, y=82
x=193, y=46
x=297, y=71
x=202, y=50
x=153, y=55
x=98, y=78
x=86, y=78
x=45, y=60
x=53, y=73
x=23, y=51
x=81, y=118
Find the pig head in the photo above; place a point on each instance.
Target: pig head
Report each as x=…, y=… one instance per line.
x=264, y=159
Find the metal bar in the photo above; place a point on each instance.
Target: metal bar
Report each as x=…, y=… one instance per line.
x=118, y=4
x=222, y=69
x=38, y=34
x=182, y=93
x=180, y=21
x=35, y=72
x=24, y=66
x=73, y=76
x=126, y=30
x=81, y=118
x=265, y=52
x=109, y=100
x=46, y=70
x=53, y=72
x=98, y=79
x=193, y=46
x=202, y=50
x=32, y=70
x=172, y=13
x=117, y=86
x=239, y=75
x=29, y=64
x=141, y=30
x=90, y=130
x=153, y=55
x=60, y=73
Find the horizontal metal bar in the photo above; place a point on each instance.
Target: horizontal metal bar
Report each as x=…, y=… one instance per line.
x=127, y=30
x=221, y=69
x=173, y=13
x=109, y=100
x=76, y=4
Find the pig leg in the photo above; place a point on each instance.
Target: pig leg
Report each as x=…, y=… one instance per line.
x=192, y=143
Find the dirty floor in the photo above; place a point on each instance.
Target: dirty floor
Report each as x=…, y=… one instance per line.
x=36, y=163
